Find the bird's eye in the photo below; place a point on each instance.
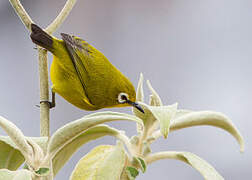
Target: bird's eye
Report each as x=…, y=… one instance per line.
x=123, y=97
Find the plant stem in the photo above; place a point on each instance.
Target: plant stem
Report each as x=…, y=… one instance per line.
x=44, y=93
x=23, y=15
x=61, y=17
x=43, y=64
x=43, y=71
x=142, y=139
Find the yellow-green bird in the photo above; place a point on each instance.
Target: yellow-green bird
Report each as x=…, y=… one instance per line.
x=83, y=75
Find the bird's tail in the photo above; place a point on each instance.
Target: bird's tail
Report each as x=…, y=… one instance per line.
x=41, y=38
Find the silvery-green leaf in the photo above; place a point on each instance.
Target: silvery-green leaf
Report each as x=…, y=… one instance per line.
x=154, y=98
x=41, y=141
x=143, y=164
x=161, y=115
x=139, y=163
x=146, y=117
x=139, y=98
x=208, y=118
x=139, y=92
x=17, y=136
x=37, y=159
x=181, y=112
x=72, y=145
x=23, y=174
x=10, y=156
x=204, y=168
x=112, y=114
x=73, y=129
x=103, y=162
x=164, y=114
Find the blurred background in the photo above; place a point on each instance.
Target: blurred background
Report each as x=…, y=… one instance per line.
x=197, y=53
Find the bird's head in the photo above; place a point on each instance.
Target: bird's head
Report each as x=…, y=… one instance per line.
x=126, y=96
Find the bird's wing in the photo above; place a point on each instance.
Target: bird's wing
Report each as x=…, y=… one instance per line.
x=79, y=54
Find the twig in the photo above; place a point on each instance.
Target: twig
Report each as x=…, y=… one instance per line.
x=43, y=71
x=43, y=64
x=44, y=93
x=61, y=17
x=23, y=15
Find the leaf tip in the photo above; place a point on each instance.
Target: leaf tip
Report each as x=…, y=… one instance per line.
x=166, y=135
x=141, y=75
x=242, y=147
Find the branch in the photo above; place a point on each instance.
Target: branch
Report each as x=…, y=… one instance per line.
x=43, y=65
x=23, y=15
x=44, y=93
x=61, y=17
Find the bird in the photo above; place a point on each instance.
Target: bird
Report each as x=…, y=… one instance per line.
x=82, y=75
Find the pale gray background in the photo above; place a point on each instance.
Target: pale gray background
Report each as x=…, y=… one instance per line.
x=197, y=53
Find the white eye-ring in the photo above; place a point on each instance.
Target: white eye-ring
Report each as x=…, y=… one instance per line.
x=123, y=97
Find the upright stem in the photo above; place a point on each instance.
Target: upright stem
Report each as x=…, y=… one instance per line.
x=141, y=141
x=43, y=65
x=23, y=15
x=44, y=93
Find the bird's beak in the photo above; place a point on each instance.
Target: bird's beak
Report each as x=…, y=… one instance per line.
x=134, y=104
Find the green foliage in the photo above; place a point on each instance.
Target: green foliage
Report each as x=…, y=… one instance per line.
x=110, y=162
x=23, y=174
x=10, y=157
x=42, y=171
x=103, y=162
x=64, y=154
x=132, y=172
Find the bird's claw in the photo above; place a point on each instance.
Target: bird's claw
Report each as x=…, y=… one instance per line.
x=51, y=104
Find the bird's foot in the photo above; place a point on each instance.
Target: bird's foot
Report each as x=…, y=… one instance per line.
x=51, y=104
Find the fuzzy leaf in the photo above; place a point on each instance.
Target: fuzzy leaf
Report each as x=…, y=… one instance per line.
x=139, y=92
x=139, y=98
x=10, y=156
x=155, y=100
x=181, y=112
x=23, y=174
x=204, y=168
x=158, y=115
x=147, y=117
x=210, y=118
x=74, y=144
x=143, y=165
x=103, y=162
x=164, y=114
x=17, y=136
x=73, y=129
x=139, y=163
